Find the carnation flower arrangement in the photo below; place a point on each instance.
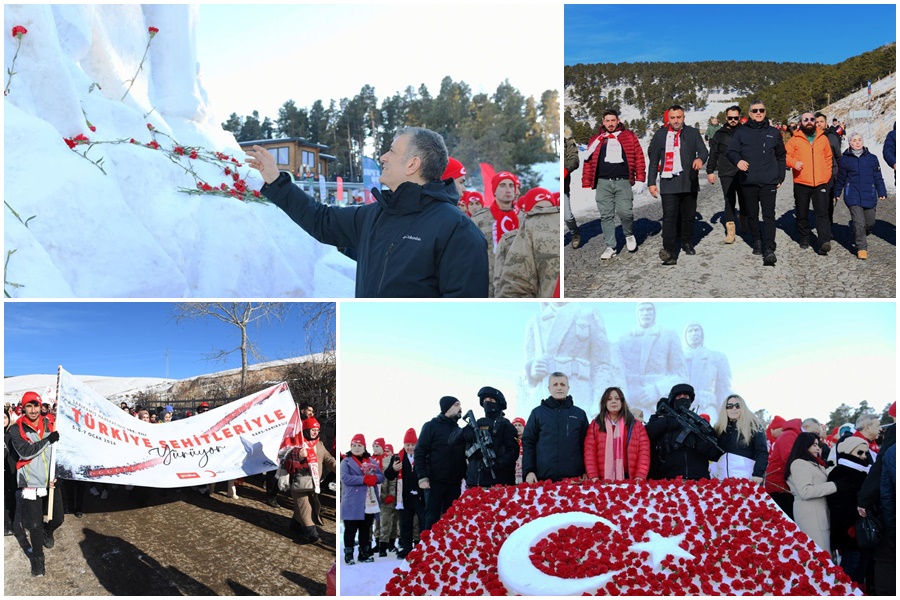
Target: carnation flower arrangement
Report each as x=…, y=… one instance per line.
x=707, y=537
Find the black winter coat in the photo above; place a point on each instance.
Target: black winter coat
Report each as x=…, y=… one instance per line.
x=412, y=243
x=718, y=149
x=437, y=459
x=842, y=503
x=691, y=147
x=670, y=459
x=757, y=451
x=870, y=494
x=506, y=448
x=762, y=147
x=553, y=442
x=410, y=479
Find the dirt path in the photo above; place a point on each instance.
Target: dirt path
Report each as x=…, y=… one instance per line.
x=181, y=543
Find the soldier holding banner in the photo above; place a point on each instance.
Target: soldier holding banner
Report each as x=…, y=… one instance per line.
x=31, y=437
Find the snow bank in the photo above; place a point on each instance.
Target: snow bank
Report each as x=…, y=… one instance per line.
x=130, y=232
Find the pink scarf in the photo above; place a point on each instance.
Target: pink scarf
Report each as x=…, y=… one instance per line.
x=614, y=459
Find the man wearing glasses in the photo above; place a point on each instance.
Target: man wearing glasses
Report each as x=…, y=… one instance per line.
x=810, y=158
x=757, y=150
x=718, y=147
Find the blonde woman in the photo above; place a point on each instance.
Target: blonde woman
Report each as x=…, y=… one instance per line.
x=741, y=434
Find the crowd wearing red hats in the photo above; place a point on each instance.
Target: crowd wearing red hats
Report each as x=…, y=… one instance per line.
x=530, y=267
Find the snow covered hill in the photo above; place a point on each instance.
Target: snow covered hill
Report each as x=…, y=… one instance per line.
x=130, y=232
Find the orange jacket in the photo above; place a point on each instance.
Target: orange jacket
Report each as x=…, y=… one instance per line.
x=816, y=158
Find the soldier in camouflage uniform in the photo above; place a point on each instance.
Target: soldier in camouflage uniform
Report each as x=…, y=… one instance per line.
x=571, y=165
x=498, y=219
x=388, y=527
x=531, y=265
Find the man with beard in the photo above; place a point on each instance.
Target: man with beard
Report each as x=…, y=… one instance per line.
x=676, y=153
x=834, y=140
x=718, y=146
x=757, y=150
x=499, y=218
x=413, y=242
x=30, y=438
x=810, y=158
x=502, y=438
x=440, y=464
x=614, y=164
x=553, y=442
x=677, y=451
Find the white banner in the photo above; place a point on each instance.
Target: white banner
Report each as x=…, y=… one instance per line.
x=98, y=441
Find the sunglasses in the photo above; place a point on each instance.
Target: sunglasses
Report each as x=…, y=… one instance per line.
x=737, y=118
x=810, y=120
x=757, y=110
x=730, y=406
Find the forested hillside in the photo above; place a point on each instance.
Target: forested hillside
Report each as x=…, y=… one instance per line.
x=642, y=91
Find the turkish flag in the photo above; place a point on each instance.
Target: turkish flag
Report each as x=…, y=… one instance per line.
x=673, y=537
x=487, y=173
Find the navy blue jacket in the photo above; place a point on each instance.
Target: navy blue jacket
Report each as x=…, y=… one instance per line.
x=762, y=147
x=889, y=152
x=553, y=442
x=859, y=179
x=411, y=243
x=439, y=459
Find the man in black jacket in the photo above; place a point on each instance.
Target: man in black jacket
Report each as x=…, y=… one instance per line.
x=718, y=147
x=676, y=153
x=553, y=442
x=834, y=140
x=676, y=450
x=410, y=500
x=503, y=442
x=440, y=464
x=757, y=150
x=413, y=242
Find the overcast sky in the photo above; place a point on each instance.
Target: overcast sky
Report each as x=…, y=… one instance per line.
x=257, y=56
x=795, y=359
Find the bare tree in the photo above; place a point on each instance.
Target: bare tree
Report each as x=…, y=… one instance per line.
x=239, y=314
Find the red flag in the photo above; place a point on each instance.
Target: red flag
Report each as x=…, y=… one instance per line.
x=340, y=189
x=293, y=434
x=487, y=173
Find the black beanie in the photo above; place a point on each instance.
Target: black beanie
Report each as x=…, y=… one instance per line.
x=446, y=402
x=681, y=388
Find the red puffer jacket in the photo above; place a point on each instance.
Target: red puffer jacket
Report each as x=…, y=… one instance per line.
x=637, y=451
x=634, y=158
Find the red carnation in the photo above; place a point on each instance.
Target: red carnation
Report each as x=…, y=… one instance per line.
x=71, y=144
x=18, y=31
x=149, y=126
x=178, y=150
x=153, y=145
x=153, y=31
x=92, y=128
x=193, y=154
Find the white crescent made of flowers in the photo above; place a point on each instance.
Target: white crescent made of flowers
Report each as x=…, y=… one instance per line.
x=520, y=576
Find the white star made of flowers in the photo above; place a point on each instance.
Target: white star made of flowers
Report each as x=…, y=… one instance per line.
x=660, y=547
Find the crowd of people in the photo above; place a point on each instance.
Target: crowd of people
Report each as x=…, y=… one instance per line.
x=749, y=155
x=824, y=482
x=30, y=430
x=434, y=237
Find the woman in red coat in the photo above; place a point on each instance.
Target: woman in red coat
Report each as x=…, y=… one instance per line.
x=616, y=446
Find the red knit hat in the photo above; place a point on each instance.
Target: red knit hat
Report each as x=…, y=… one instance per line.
x=500, y=177
x=388, y=448
x=893, y=409
x=410, y=436
x=378, y=442
x=311, y=423
x=472, y=197
x=533, y=196
x=519, y=420
x=454, y=169
x=359, y=438
x=29, y=397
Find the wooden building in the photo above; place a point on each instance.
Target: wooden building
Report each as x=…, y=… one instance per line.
x=302, y=158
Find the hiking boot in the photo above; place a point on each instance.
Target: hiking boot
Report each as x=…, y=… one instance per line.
x=631, y=243
x=382, y=549
x=862, y=255
x=688, y=248
x=365, y=556
x=825, y=248
x=348, y=557
x=730, y=233
x=757, y=247
x=804, y=244
x=49, y=542
x=769, y=260
x=37, y=566
x=576, y=240
x=608, y=253
x=273, y=502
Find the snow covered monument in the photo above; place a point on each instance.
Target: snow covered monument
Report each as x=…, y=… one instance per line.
x=119, y=182
x=670, y=538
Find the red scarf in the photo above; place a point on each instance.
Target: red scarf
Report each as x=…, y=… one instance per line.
x=504, y=221
x=670, y=156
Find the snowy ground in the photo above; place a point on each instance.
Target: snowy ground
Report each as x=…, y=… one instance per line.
x=365, y=579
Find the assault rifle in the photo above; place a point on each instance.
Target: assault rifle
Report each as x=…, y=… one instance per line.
x=690, y=422
x=483, y=443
